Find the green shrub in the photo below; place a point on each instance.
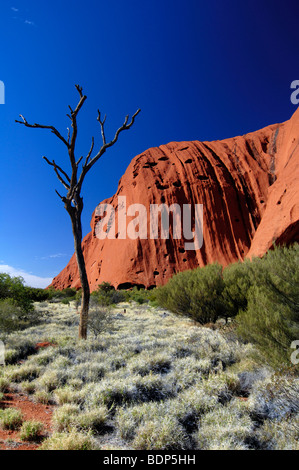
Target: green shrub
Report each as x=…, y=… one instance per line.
x=67, y=395
x=271, y=319
x=107, y=295
x=139, y=295
x=14, y=288
x=37, y=295
x=19, y=349
x=196, y=294
x=14, y=317
x=238, y=278
x=25, y=372
x=55, y=295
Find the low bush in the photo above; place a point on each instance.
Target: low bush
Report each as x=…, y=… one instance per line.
x=38, y=295
x=271, y=319
x=262, y=294
x=100, y=319
x=107, y=295
x=238, y=278
x=196, y=294
x=14, y=317
x=14, y=288
x=55, y=295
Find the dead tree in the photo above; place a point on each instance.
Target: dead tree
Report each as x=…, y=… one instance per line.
x=73, y=201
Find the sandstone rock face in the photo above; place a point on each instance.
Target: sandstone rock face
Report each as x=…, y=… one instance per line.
x=248, y=186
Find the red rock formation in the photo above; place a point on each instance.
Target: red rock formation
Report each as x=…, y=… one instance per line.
x=248, y=186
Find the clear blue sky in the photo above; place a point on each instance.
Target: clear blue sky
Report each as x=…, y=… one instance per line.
x=197, y=69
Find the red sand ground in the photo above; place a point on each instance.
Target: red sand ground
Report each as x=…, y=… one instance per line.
x=10, y=440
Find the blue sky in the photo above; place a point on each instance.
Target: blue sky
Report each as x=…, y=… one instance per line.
x=198, y=70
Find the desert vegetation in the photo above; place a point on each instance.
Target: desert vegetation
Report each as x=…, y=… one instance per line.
x=153, y=381
x=213, y=373
x=261, y=296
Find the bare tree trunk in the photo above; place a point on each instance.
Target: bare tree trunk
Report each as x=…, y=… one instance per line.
x=75, y=214
x=73, y=202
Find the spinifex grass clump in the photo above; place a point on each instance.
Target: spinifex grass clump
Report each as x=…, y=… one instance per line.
x=11, y=419
x=73, y=440
x=31, y=431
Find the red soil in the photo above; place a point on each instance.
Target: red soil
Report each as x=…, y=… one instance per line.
x=43, y=345
x=10, y=440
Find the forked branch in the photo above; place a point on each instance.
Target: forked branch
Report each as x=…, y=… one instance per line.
x=59, y=170
x=106, y=145
x=40, y=126
x=72, y=184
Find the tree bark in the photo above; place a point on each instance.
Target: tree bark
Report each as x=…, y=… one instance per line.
x=75, y=215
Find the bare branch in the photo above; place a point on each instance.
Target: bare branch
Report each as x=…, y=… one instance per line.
x=61, y=197
x=74, y=125
x=80, y=90
x=90, y=152
x=79, y=161
x=88, y=165
x=102, y=123
x=124, y=127
x=58, y=169
x=103, y=149
x=40, y=126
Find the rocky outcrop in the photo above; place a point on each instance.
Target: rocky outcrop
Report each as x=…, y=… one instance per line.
x=248, y=186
